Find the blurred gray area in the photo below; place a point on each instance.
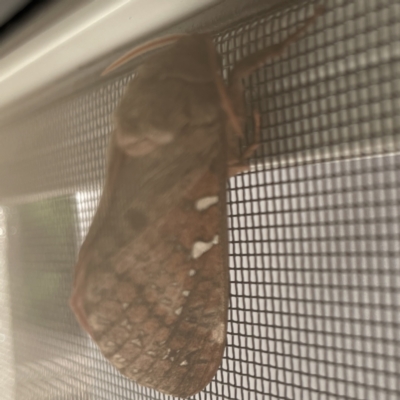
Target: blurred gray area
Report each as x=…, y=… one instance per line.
x=8, y=8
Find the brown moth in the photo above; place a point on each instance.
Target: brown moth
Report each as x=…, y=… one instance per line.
x=151, y=283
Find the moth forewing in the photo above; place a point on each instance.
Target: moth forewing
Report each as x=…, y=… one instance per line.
x=187, y=298
x=151, y=283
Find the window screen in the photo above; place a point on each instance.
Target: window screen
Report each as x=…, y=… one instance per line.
x=314, y=227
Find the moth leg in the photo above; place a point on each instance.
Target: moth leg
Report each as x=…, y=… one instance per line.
x=257, y=136
x=236, y=163
x=240, y=164
x=256, y=60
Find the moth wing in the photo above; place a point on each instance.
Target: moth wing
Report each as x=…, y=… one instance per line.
x=163, y=323
x=157, y=308
x=151, y=284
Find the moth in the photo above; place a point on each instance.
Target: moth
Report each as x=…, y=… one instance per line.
x=151, y=284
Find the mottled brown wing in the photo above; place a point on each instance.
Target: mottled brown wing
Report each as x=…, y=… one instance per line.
x=151, y=283
x=158, y=312
x=157, y=304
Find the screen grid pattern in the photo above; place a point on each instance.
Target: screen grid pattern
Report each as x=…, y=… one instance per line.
x=314, y=227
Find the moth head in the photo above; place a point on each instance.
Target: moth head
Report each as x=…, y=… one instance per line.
x=196, y=57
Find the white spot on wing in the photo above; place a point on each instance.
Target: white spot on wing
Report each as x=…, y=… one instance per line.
x=183, y=363
x=185, y=293
x=125, y=305
x=137, y=342
x=178, y=311
x=206, y=202
x=167, y=354
x=199, y=248
x=126, y=324
x=192, y=272
x=218, y=334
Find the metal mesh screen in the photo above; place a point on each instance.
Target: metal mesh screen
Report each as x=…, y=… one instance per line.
x=314, y=228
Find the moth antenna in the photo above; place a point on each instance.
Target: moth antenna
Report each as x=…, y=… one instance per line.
x=142, y=49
